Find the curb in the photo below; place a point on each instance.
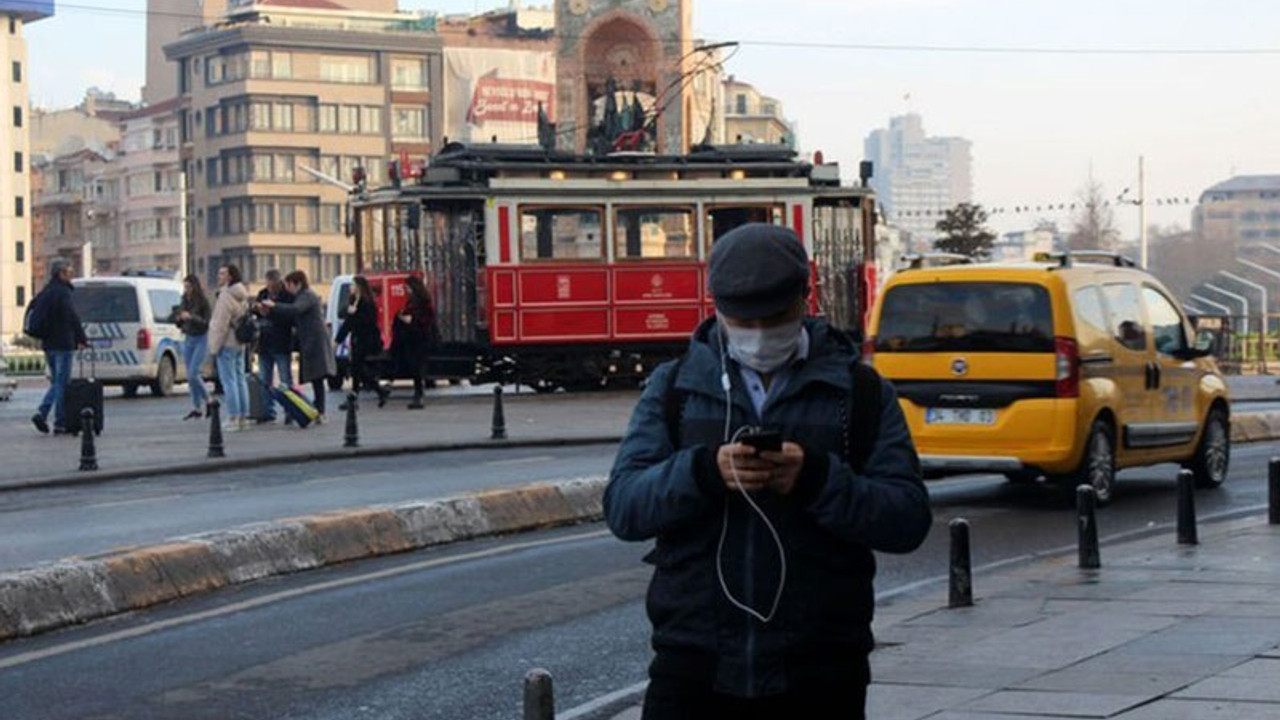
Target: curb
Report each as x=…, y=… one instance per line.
x=205, y=467
x=71, y=592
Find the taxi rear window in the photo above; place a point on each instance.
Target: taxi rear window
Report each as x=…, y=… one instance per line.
x=106, y=303
x=966, y=316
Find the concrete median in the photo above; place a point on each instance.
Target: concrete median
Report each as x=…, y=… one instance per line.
x=66, y=593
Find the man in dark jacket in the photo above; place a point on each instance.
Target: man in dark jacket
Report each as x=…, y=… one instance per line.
x=761, y=599
x=62, y=333
x=275, y=338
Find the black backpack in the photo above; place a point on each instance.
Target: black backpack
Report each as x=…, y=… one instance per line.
x=246, y=329
x=37, y=316
x=861, y=415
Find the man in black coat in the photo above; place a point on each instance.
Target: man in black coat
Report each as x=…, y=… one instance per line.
x=61, y=333
x=275, y=339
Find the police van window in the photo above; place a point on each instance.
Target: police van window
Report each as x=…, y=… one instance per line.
x=721, y=220
x=106, y=303
x=163, y=304
x=1125, y=315
x=653, y=233
x=559, y=233
x=1166, y=322
x=1089, y=311
x=966, y=317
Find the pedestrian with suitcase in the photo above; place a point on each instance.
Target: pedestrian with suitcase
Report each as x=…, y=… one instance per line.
x=275, y=343
x=315, y=354
x=52, y=318
x=192, y=318
x=83, y=392
x=228, y=337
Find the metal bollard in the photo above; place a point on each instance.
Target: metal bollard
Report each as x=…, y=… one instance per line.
x=1187, y=509
x=88, y=454
x=961, y=590
x=351, y=438
x=1273, y=491
x=539, y=698
x=1087, y=525
x=499, y=422
x=215, y=429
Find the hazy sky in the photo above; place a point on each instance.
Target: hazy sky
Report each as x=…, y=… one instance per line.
x=1048, y=91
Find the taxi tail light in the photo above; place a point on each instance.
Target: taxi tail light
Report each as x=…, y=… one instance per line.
x=1067, y=367
x=144, y=339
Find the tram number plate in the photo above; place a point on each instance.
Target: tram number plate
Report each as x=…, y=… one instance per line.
x=959, y=416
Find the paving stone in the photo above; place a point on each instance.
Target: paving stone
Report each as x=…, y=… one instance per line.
x=1215, y=592
x=1263, y=667
x=912, y=702
x=1134, y=607
x=1124, y=659
x=1250, y=689
x=1060, y=641
x=1212, y=635
x=1084, y=678
x=952, y=715
x=1198, y=710
x=914, y=671
x=1055, y=704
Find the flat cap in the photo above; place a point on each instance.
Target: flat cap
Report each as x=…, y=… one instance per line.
x=757, y=271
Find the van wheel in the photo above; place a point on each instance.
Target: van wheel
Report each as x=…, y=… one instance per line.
x=1213, y=455
x=1098, y=466
x=165, y=376
x=1022, y=477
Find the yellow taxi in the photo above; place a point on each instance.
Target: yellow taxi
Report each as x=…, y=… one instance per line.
x=1070, y=368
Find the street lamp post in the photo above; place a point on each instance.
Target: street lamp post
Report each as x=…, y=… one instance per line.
x=1262, y=325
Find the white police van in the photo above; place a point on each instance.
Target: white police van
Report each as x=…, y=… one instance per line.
x=128, y=320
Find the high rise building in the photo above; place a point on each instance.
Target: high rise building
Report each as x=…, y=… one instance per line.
x=918, y=178
x=16, y=282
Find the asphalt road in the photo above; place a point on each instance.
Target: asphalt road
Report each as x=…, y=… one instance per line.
x=449, y=633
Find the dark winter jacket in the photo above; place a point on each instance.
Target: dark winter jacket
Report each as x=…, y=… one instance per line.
x=829, y=525
x=361, y=323
x=275, y=329
x=200, y=310
x=63, y=329
x=315, y=349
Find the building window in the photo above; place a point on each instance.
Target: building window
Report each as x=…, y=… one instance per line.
x=17, y=116
x=408, y=74
x=22, y=296
x=742, y=104
x=408, y=123
x=346, y=68
x=17, y=162
x=13, y=25
x=19, y=252
x=17, y=71
x=19, y=207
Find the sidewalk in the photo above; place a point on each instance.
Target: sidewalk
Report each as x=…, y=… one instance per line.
x=1160, y=632
x=145, y=436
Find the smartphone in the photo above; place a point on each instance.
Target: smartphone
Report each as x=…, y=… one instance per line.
x=764, y=440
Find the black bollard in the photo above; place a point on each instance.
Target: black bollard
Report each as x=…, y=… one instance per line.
x=961, y=593
x=1087, y=520
x=1273, y=491
x=88, y=454
x=352, y=436
x=215, y=430
x=539, y=699
x=1187, y=509
x=499, y=422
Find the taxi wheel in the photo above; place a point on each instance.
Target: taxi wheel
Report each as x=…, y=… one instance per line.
x=1213, y=455
x=1098, y=466
x=165, y=377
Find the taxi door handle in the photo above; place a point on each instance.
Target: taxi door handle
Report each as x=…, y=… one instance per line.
x=1153, y=376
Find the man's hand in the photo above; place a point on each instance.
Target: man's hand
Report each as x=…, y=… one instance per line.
x=753, y=470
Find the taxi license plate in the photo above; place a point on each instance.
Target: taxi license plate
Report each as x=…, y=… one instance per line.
x=959, y=416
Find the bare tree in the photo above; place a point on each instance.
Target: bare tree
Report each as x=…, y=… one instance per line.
x=1093, y=224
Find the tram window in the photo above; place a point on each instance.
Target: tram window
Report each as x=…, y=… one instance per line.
x=558, y=233
x=721, y=220
x=654, y=233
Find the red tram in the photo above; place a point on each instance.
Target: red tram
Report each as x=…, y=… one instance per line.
x=555, y=270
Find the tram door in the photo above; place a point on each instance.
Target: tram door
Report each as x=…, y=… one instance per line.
x=451, y=237
x=837, y=251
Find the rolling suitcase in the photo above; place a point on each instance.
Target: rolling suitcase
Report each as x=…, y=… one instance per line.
x=259, y=399
x=84, y=392
x=296, y=405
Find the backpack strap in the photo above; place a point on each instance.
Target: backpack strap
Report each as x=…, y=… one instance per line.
x=863, y=414
x=673, y=404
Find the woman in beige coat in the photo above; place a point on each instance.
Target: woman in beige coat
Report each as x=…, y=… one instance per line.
x=228, y=354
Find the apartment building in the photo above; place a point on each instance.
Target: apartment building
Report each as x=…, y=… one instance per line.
x=275, y=90
x=918, y=178
x=148, y=174
x=751, y=117
x=77, y=209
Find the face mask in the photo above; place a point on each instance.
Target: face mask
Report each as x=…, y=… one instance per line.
x=763, y=349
